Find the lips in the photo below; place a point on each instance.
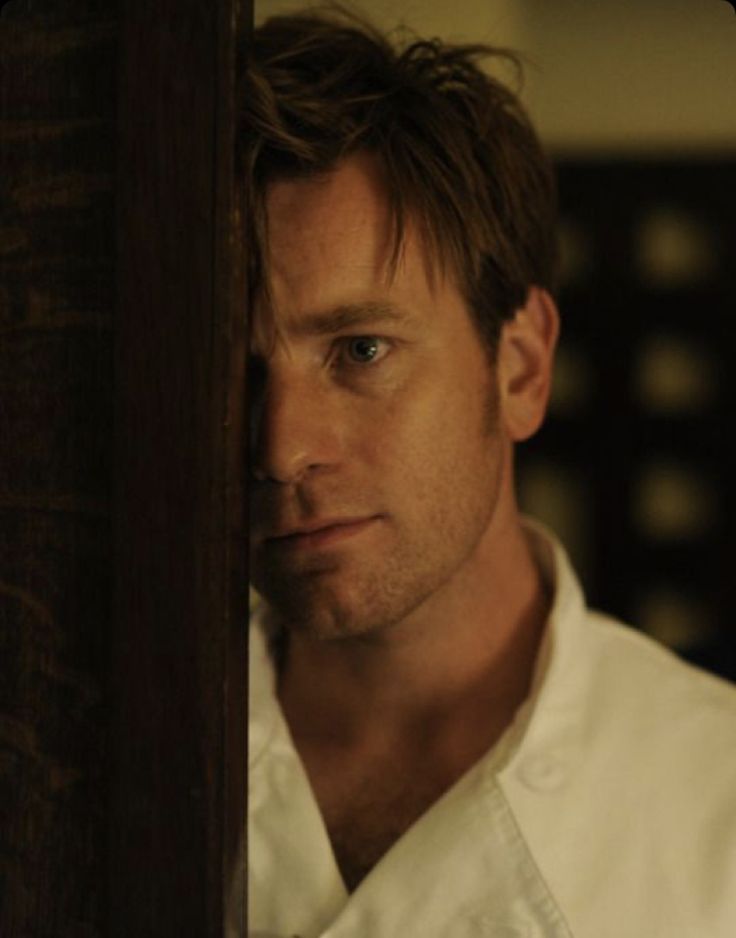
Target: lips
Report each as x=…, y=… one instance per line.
x=314, y=527
x=319, y=533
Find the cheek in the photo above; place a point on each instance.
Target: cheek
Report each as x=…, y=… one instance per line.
x=429, y=417
x=426, y=446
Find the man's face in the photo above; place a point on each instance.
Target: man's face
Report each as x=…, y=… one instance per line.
x=378, y=456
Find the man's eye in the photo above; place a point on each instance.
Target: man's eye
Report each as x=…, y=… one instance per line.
x=363, y=349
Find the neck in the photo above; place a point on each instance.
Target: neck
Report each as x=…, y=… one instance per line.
x=454, y=672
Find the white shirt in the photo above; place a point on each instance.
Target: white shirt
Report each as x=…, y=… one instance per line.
x=606, y=810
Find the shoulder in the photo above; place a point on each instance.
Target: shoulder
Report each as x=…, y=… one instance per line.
x=674, y=725
x=633, y=676
x=639, y=819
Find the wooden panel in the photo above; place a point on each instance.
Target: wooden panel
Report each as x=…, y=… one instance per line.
x=122, y=724
x=57, y=170
x=178, y=734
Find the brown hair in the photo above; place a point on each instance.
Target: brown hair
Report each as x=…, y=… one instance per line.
x=458, y=151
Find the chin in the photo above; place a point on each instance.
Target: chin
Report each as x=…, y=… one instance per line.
x=316, y=611
x=343, y=603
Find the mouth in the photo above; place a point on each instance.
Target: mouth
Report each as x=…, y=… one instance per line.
x=320, y=534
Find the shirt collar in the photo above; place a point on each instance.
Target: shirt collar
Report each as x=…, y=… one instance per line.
x=551, y=710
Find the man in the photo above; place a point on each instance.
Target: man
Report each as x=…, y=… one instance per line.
x=444, y=741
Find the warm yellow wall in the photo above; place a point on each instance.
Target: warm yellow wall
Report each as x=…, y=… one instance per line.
x=633, y=73
x=497, y=21
x=606, y=74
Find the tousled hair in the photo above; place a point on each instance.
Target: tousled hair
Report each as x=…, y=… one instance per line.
x=457, y=150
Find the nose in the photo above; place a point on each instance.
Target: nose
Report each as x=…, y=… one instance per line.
x=292, y=433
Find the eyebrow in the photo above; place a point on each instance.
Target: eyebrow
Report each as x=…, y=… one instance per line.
x=346, y=316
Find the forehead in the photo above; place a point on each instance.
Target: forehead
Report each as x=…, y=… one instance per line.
x=330, y=245
x=349, y=195
x=335, y=222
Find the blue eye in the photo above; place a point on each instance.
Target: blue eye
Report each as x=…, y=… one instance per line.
x=363, y=349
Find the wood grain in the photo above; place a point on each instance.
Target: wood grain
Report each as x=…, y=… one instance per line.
x=123, y=580
x=57, y=173
x=181, y=577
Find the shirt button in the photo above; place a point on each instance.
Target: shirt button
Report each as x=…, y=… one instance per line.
x=542, y=772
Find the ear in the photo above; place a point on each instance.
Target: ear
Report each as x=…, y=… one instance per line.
x=524, y=364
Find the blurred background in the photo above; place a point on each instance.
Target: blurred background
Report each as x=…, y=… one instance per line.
x=636, y=103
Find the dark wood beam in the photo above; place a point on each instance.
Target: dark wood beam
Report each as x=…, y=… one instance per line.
x=179, y=649
x=58, y=74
